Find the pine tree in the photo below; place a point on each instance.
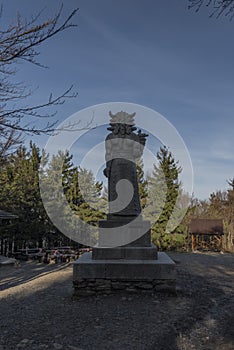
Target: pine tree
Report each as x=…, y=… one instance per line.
x=60, y=188
x=21, y=195
x=163, y=190
x=90, y=197
x=77, y=197
x=142, y=183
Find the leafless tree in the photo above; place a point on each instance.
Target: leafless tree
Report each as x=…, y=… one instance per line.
x=20, y=42
x=220, y=7
x=231, y=183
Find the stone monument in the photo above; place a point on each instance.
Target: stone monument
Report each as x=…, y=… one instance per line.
x=124, y=258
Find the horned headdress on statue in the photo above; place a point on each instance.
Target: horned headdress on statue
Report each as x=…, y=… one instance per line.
x=122, y=119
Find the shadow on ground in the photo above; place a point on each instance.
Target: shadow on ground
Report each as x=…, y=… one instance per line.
x=199, y=317
x=28, y=272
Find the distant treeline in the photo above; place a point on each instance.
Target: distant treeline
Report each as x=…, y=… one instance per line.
x=162, y=198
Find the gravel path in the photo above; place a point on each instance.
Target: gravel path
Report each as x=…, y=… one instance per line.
x=38, y=311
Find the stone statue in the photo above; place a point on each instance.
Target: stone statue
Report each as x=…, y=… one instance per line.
x=123, y=149
x=124, y=258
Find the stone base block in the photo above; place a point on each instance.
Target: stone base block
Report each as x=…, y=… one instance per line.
x=127, y=253
x=114, y=233
x=92, y=277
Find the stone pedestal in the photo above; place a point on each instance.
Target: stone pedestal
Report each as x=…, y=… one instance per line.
x=135, y=233
x=112, y=275
x=133, y=267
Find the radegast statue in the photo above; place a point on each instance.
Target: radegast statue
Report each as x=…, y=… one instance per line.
x=124, y=148
x=124, y=259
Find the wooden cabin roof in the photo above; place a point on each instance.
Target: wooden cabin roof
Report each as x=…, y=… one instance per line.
x=206, y=226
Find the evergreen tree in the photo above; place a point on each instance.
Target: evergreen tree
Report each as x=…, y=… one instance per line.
x=164, y=188
x=77, y=197
x=20, y=194
x=60, y=188
x=55, y=183
x=90, y=197
x=142, y=183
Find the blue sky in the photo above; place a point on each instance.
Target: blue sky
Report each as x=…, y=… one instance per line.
x=155, y=53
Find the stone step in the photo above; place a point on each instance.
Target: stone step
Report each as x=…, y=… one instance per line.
x=87, y=268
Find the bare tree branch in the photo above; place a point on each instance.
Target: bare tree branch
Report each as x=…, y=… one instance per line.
x=220, y=7
x=19, y=41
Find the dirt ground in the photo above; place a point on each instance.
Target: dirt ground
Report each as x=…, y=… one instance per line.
x=38, y=311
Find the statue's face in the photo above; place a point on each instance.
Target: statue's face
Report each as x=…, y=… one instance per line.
x=128, y=129
x=116, y=129
x=122, y=129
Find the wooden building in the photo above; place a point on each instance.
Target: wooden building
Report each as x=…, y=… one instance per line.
x=6, y=217
x=6, y=245
x=206, y=234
